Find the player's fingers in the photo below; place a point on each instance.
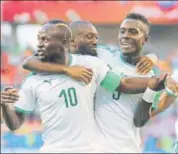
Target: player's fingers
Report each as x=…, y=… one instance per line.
x=6, y=88
x=141, y=61
x=9, y=97
x=84, y=80
x=145, y=65
x=4, y=101
x=13, y=90
x=142, y=67
x=88, y=71
x=163, y=77
x=87, y=77
x=146, y=70
x=9, y=94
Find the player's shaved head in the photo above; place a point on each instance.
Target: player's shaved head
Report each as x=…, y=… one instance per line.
x=60, y=31
x=54, y=41
x=80, y=26
x=84, y=32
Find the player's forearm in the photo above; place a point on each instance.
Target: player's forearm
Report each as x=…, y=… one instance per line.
x=12, y=118
x=35, y=65
x=142, y=113
x=164, y=102
x=133, y=85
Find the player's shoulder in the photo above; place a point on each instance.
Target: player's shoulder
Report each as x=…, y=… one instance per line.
x=88, y=61
x=108, y=48
x=31, y=80
x=85, y=58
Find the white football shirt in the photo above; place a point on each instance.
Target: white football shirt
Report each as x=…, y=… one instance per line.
x=66, y=107
x=114, y=112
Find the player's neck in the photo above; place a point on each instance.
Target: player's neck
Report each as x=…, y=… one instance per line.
x=133, y=60
x=64, y=60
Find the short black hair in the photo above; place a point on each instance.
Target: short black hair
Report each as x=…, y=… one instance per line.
x=56, y=21
x=140, y=17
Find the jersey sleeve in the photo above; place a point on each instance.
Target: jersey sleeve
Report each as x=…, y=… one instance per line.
x=106, y=78
x=26, y=102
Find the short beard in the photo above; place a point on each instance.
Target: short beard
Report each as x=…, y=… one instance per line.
x=56, y=53
x=85, y=50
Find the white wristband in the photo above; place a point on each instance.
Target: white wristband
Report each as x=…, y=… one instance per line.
x=149, y=95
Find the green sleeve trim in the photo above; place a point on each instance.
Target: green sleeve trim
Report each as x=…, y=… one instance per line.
x=22, y=111
x=111, y=81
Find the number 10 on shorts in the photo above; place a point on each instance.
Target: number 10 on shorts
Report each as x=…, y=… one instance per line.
x=70, y=97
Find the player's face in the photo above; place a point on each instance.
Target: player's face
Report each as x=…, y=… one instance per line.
x=47, y=46
x=132, y=36
x=42, y=39
x=89, y=37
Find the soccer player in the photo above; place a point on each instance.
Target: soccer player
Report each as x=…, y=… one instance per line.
x=120, y=131
x=116, y=106
x=85, y=33
x=65, y=105
x=146, y=110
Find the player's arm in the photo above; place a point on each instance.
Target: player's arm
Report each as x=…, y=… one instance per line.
x=12, y=118
x=112, y=81
x=128, y=85
x=76, y=72
x=164, y=102
x=168, y=97
x=145, y=109
x=16, y=106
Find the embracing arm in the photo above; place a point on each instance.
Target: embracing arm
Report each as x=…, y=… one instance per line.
x=78, y=73
x=133, y=85
x=35, y=65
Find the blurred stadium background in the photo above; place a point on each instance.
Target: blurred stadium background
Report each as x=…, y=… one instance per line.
x=20, y=22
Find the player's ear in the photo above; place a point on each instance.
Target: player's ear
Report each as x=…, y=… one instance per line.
x=146, y=38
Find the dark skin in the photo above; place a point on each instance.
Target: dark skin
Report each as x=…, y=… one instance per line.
x=54, y=49
x=83, y=33
x=48, y=41
x=145, y=111
x=133, y=34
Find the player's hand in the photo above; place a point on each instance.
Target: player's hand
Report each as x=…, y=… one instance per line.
x=156, y=83
x=80, y=73
x=144, y=65
x=172, y=85
x=9, y=95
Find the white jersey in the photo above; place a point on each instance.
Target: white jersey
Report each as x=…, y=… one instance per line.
x=108, y=55
x=114, y=112
x=66, y=107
